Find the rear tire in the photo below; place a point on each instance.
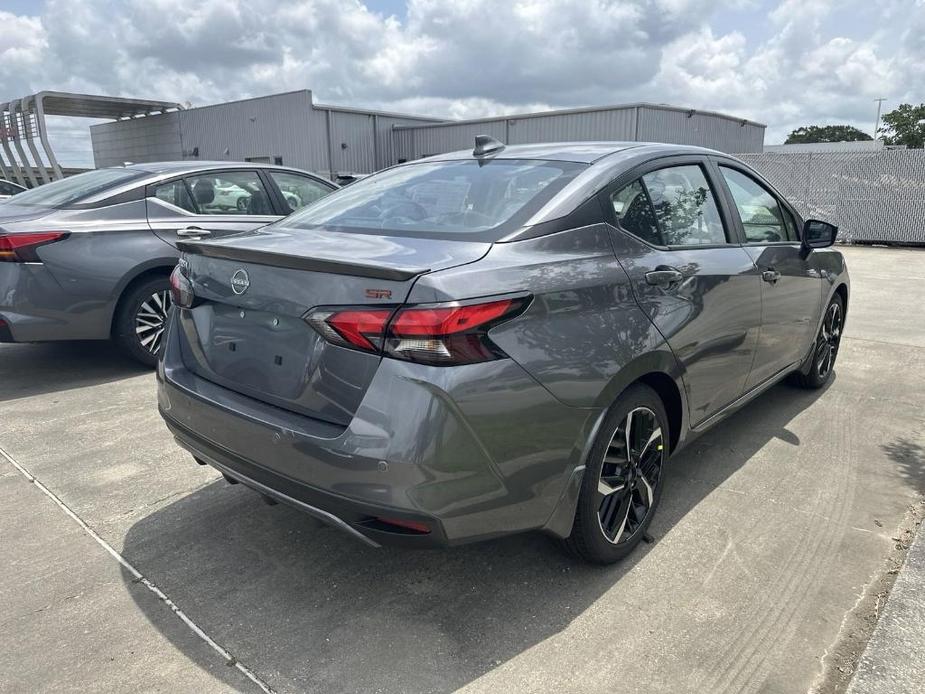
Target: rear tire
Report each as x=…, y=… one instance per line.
x=620, y=491
x=141, y=320
x=825, y=348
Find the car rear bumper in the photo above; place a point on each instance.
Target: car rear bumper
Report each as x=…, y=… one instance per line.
x=36, y=308
x=470, y=455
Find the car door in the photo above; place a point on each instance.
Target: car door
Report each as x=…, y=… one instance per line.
x=210, y=204
x=791, y=289
x=690, y=274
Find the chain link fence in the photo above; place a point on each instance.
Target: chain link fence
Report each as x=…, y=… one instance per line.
x=871, y=196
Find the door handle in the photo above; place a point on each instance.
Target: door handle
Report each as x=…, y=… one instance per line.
x=664, y=277
x=193, y=233
x=770, y=275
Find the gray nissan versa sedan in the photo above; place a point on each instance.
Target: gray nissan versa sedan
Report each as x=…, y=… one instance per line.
x=497, y=340
x=88, y=257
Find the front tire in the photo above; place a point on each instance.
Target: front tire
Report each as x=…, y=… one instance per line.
x=825, y=349
x=623, y=478
x=141, y=320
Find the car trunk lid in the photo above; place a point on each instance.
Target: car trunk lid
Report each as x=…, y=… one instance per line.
x=247, y=330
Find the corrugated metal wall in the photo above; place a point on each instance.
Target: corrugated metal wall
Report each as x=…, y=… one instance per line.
x=286, y=126
x=332, y=140
x=645, y=123
x=153, y=138
x=609, y=124
x=273, y=126
x=701, y=129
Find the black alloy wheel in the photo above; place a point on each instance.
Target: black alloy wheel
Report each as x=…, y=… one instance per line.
x=623, y=478
x=822, y=360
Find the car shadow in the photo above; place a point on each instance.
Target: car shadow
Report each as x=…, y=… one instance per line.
x=310, y=610
x=50, y=367
x=910, y=457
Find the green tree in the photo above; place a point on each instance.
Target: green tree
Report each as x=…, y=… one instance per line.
x=826, y=133
x=905, y=126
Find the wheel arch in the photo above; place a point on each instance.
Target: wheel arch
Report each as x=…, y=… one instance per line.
x=159, y=267
x=660, y=371
x=842, y=290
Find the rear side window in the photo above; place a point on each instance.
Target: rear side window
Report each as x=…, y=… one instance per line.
x=230, y=192
x=177, y=194
x=634, y=213
x=763, y=219
x=299, y=191
x=73, y=189
x=670, y=207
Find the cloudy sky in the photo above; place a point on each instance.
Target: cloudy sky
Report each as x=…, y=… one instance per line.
x=786, y=63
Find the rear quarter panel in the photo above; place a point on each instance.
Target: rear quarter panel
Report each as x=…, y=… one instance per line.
x=583, y=330
x=85, y=274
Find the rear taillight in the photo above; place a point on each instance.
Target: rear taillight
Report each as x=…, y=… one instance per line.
x=440, y=334
x=22, y=248
x=358, y=328
x=181, y=289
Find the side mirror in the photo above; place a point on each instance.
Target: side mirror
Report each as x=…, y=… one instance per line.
x=818, y=234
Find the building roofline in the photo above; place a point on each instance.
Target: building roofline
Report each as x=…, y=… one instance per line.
x=387, y=114
x=324, y=107
x=587, y=109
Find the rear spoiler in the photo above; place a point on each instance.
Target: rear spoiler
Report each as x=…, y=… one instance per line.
x=298, y=262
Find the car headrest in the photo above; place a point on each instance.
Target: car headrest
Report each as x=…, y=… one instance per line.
x=204, y=191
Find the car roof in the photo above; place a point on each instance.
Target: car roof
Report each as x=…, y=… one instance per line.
x=171, y=167
x=582, y=152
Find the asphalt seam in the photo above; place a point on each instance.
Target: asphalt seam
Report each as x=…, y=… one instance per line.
x=139, y=578
x=881, y=342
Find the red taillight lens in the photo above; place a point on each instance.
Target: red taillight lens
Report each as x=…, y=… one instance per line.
x=441, y=335
x=352, y=327
x=449, y=335
x=181, y=289
x=446, y=321
x=21, y=248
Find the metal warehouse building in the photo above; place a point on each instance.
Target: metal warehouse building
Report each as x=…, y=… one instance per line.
x=281, y=128
x=637, y=122
x=290, y=129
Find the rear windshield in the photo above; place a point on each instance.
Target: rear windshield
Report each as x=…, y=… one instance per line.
x=73, y=189
x=443, y=198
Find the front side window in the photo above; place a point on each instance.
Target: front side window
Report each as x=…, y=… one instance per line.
x=443, y=198
x=230, y=192
x=299, y=191
x=670, y=207
x=762, y=217
x=73, y=189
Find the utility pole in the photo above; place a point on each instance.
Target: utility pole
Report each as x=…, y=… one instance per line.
x=877, y=122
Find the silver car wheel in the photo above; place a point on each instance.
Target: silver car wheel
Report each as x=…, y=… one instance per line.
x=630, y=473
x=151, y=320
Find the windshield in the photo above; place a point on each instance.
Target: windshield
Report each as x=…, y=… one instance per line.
x=441, y=198
x=74, y=188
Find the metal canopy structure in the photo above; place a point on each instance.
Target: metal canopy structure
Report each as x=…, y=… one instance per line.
x=22, y=121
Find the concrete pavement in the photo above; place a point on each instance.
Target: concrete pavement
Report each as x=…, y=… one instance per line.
x=894, y=661
x=772, y=530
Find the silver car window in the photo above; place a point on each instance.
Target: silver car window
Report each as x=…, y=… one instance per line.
x=73, y=189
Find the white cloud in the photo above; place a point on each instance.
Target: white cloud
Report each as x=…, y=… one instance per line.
x=790, y=63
